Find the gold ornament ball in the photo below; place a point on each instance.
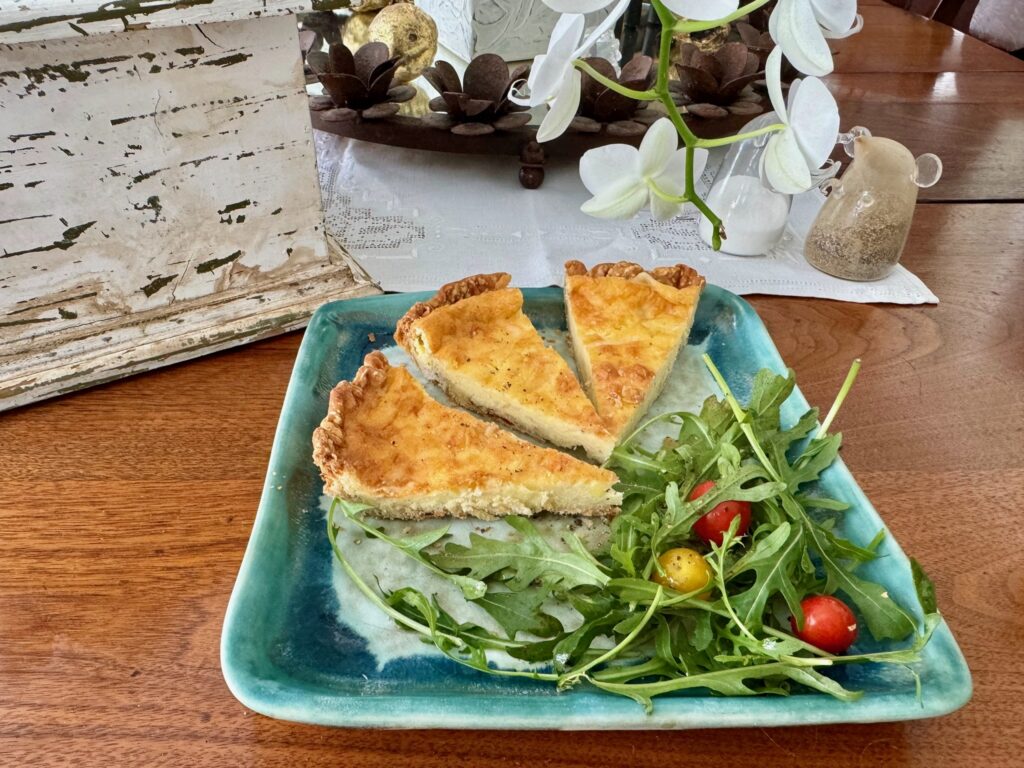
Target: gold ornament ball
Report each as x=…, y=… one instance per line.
x=408, y=32
x=356, y=32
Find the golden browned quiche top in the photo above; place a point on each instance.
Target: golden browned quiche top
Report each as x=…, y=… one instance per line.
x=628, y=325
x=386, y=442
x=474, y=339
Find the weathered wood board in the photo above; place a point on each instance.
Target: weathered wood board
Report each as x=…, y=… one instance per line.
x=158, y=199
x=22, y=21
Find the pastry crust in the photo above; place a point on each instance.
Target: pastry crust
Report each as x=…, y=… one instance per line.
x=627, y=326
x=386, y=443
x=450, y=293
x=474, y=340
x=676, y=276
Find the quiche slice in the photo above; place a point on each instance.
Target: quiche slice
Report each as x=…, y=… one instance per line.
x=387, y=443
x=627, y=326
x=474, y=340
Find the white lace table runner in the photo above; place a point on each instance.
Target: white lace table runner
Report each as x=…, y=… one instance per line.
x=416, y=219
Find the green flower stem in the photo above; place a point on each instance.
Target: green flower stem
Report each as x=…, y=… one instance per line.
x=689, y=137
x=726, y=140
x=581, y=65
x=686, y=26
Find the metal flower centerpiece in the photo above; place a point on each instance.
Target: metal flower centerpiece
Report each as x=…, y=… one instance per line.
x=477, y=104
x=359, y=84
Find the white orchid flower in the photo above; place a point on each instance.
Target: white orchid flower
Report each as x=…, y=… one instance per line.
x=623, y=179
x=800, y=28
x=553, y=79
x=812, y=125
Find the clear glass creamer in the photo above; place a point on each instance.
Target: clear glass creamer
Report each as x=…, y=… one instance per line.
x=861, y=229
x=753, y=215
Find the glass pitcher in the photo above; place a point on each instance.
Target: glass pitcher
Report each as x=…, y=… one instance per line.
x=861, y=229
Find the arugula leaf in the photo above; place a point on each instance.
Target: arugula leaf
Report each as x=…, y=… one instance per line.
x=413, y=546
x=773, y=560
x=530, y=559
x=520, y=612
x=924, y=586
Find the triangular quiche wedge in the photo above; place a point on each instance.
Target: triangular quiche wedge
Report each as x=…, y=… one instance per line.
x=474, y=340
x=385, y=442
x=627, y=326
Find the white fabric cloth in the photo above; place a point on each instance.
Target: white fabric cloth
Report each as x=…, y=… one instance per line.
x=415, y=220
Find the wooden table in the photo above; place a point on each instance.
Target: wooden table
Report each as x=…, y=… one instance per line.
x=124, y=510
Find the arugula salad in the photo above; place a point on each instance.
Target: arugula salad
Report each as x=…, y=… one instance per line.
x=724, y=570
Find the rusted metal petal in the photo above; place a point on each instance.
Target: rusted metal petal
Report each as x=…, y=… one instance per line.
x=432, y=76
x=626, y=128
x=582, y=124
x=686, y=53
x=437, y=120
x=383, y=76
x=749, y=34
x=639, y=69
x=732, y=57
x=708, y=111
x=449, y=77
x=646, y=116
x=452, y=104
x=320, y=103
x=486, y=78
x=729, y=91
x=379, y=111
x=342, y=61
x=368, y=58
x=319, y=62
x=340, y=115
x=386, y=67
x=401, y=93
x=511, y=121
x=745, y=108
x=343, y=88
x=472, y=107
x=611, y=106
x=472, y=129
x=591, y=89
x=696, y=85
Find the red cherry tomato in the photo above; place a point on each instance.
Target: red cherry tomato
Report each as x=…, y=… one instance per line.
x=828, y=624
x=711, y=527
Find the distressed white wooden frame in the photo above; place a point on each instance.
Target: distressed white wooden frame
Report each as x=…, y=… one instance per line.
x=158, y=193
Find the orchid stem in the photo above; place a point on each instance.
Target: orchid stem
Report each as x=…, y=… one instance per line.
x=685, y=26
x=726, y=140
x=689, y=137
x=607, y=82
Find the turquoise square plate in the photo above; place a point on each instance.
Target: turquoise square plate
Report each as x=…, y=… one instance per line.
x=286, y=654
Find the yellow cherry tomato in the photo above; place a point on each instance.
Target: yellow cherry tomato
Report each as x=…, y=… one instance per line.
x=685, y=571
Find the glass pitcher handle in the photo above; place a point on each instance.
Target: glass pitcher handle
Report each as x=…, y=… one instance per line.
x=847, y=139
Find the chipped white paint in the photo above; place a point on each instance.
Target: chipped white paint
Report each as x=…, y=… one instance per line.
x=22, y=21
x=158, y=199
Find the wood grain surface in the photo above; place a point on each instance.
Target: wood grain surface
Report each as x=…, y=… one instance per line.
x=125, y=511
